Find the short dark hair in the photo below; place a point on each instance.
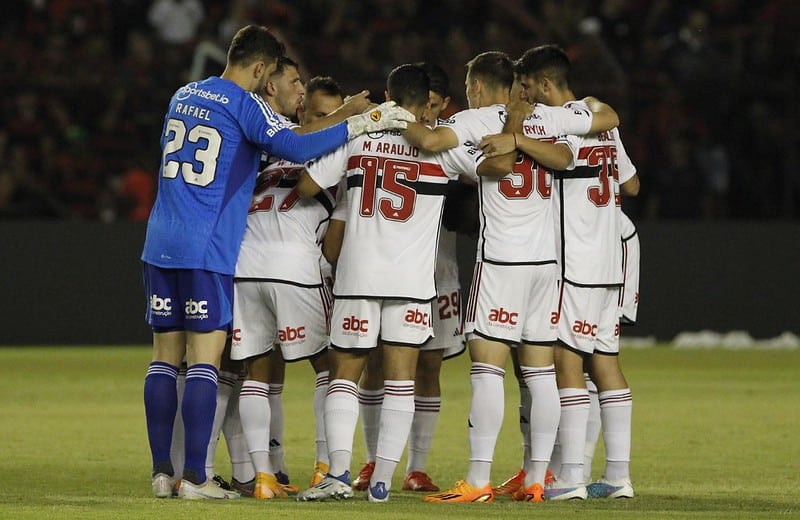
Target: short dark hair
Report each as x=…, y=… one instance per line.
x=440, y=82
x=253, y=43
x=409, y=85
x=283, y=63
x=550, y=60
x=492, y=67
x=325, y=84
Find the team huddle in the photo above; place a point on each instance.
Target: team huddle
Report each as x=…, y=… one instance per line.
x=307, y=225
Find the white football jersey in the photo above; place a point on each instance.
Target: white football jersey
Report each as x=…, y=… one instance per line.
x=587, y=209
x=516, y=214
x=394, y=209
x=281, y=241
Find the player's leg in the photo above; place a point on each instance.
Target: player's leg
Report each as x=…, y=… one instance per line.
x=537, y=368
x=593, y=425
x=254, y=334
x=485, y=420
x=322, y=370
x=427, y=404
x=574, y=399
x=516, y=481
x=405, y=327
x=160, y=382
x=354, y=332
x=370, y=400
x=228, y=375
x=277, y=378
x=616, y=405
x=161, y=405
x=397, y=415
x=243, y=472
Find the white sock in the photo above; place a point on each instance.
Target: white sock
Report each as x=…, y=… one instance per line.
x=225, y=384
x=241, y=465
x=254, y=412
x=545, y=415
x=320, y=390
x=369, y=403
x=616, y=408
x=176, y=449
x=485, y=419
x=525, y=426
x=341, y=417
x=426, y=413
x=592, y=428
x=397, y=414
x=572, y=433
x=276, y=456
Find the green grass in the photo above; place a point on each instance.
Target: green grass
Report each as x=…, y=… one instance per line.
x=715, y=436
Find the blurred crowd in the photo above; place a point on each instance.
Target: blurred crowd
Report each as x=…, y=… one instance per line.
x=705, y=88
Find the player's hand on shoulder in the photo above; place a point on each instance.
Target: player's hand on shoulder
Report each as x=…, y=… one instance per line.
x=357, y=103
x=519, y=105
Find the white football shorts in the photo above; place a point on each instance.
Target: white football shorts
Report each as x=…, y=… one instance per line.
x=266, y=313
x=513, y=303
x=360, y=324
x=588, y=319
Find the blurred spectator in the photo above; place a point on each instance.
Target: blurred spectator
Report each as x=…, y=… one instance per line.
x=705, y=88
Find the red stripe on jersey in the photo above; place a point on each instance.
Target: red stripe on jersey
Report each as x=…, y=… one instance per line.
x=425, y=168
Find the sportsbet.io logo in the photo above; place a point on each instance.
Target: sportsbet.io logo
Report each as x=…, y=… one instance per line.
x=375, y=115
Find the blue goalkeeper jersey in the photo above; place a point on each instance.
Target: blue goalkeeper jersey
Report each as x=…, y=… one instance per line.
x=214, y=133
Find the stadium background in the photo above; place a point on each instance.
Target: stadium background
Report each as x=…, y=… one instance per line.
x=706, y=92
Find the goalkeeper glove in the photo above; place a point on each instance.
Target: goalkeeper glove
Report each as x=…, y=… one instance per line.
x=386, y=116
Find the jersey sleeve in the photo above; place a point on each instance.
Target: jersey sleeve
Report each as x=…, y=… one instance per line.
x=462, y=160
x=329, y=169
x=625, y=166
x=576, y=118
x=459, y=123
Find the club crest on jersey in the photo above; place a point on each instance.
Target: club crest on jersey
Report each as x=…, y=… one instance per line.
x=375, y=115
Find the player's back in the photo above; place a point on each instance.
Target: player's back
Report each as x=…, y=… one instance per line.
x=281, y=241
x=516, y=212
x=395, y=197
x=587, y=213
x=207, y=175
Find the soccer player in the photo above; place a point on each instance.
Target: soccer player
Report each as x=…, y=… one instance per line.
x=514, y=289
x=448, y=339
x=588, y=233
x=384, y=283
x=212, y=138
x=281, y=299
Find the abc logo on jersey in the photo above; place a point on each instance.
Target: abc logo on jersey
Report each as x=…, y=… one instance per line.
x=354, y=326
x=196, y=310
x=503, y=318
x=160, y=306
x=418, y=319
x=290, y=334
x=585, y=328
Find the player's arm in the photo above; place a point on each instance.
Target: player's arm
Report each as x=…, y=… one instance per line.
x=501, y=163
x=332, y=242
x=287, y=144
x=437, y=139
x=630, y=188
x=352, y=106
x=603, y=116
x=306, y=186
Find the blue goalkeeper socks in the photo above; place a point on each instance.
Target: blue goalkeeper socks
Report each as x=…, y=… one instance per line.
x=199, y=406
x=160, y=406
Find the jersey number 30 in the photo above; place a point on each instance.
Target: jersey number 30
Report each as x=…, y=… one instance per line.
x=177, y=138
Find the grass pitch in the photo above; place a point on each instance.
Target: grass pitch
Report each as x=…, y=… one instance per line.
x=715, y=435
